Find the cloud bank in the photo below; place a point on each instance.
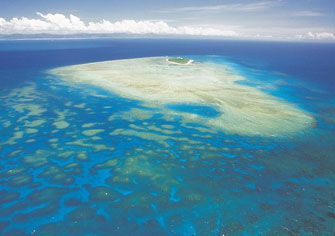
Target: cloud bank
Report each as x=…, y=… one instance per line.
x=61, y=24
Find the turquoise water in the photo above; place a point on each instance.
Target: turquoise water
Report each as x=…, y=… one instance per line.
x=65, y=168
x=206, y=111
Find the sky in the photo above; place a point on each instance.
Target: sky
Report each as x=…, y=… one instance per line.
x=241, y=19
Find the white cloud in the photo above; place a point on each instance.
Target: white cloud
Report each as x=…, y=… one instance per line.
x=241, y=7
x=317, y=35
x=307, y=13
x=60, y=24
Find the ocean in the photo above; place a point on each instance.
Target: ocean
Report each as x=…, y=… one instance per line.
x=82, y=158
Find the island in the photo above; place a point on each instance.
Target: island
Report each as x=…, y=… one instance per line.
x=179, y=60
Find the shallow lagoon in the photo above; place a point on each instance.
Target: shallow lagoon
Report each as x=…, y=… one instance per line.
x=80, y=160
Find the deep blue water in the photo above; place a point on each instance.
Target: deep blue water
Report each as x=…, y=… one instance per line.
x=307, y=61
x=61, y=181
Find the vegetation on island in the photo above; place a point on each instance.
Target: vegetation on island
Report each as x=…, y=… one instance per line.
x=179, y=60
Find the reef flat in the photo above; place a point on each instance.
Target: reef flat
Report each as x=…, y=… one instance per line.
x=242, y=109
